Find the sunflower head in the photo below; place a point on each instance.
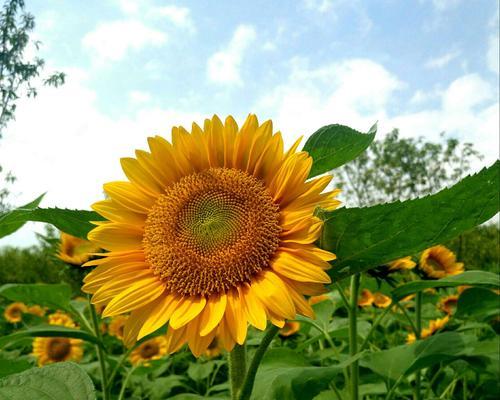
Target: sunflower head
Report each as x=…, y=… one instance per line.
x=290, y=328
x=402, y=264
x=76, y=251
x=210, y=233
x=380, y=300
x=117, y=325
x=60, y=318
x=48, y=350
x=366, y=299
x=152, y=349
x=448, y=304
x=438, y=262
x=36, y=310
x=14, y=312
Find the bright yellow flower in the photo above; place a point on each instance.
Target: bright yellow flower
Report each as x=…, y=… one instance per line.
x=210, y=233
x=438, y=262
x=402, y=264
x=381, y=300
x=448, y=304
x=36, y=310
x=152, y=349
x=434, y=326
x=290, y=328
x=117, y=325
x=59, y=318
x=214, y=348
x=49, y=350
x=74, y=250
x=14, y=312
x=366, y=299
x=318, y=299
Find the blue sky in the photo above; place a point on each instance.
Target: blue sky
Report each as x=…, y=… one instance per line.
x=135, y=68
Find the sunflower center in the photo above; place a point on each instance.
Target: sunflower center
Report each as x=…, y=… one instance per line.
x=211, y=231
x=149, y=350
x=59, y=349
x=436, y=264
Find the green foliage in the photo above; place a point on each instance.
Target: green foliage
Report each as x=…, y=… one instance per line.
x=12, y=366
x=62, y=381
x=363, y=238
x=333, y=145
x=9, y=222
x=53, y=296
x=477, y=303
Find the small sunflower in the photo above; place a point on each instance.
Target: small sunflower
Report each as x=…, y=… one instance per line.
x=438, y=262
x=14, y=312
x=211, y=233
x=404, y=263
x=380, y=300
x=318, y=299
x=36, y=310
x=76, y=251
x=366, y=299
x=290, y=328
x=48, y=350
x=117, y=325
x=448, y=304
x=152, y=349
x=214, y=348
x=60, y=318
x=434, y=326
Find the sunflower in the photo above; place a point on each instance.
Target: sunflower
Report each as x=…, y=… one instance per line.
x=116, y=326
x=59, y=318
x=366, y=299
x=14, y=312
x=76, y=251
x=48, y=350
x=448, y=304
x=290, y=328
x=152, y=349
x=381, y=300
x=36, y=310
x=434, y=326
x=210, y=233
x=214, y=348
x=438, y=262
x=402, y=264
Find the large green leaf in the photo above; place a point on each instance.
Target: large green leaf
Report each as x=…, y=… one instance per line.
x=334, y=145
x=470, y=278
x=477, y=303
x=13, y=220
x=61, y=381
x=363, y=238
x=10, y=366
x=74, y=222
x=48, y=331
x=48, y=295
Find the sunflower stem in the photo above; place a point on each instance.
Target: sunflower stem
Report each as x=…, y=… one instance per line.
x=237, y=369
x=418, y=328
x=100, y=353
x=247, y=387
x=353, y=334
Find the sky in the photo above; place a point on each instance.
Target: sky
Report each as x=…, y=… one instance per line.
x=137, y=68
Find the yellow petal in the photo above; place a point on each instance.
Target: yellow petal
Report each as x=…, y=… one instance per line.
x=187, y=309
x=128, y=196
x=273, y=293
x=175, y=339
x=115, y=236
x=140, y=177
x=298, y=269
x=113, y=212
x=254, y=310
x=212, y=313
x=159, y=314
x=235, y=318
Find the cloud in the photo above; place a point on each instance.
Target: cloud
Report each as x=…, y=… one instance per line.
x=111, y=41
x=493, y=54
x=442, y=61
x=179, y=16
x=321, y=6
x=224, y=66
x=442, y=5
x=138, y=96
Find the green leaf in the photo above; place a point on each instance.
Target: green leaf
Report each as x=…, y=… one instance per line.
x=481, y=304
x=61, y=381
x=198, y=372
x=334, y=145
x=13, y=220
x=48, y=331
x=363, y=238
x=74, y=222
x=10, y=366
x=48, y=295
x=469, y=278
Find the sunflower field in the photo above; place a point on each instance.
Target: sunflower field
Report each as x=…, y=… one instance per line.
x=225, y=267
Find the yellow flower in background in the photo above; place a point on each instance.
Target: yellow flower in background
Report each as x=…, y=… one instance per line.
x=434, y=326
x=462, y=288
x=448, y=304
x=48, y=350
x=290, y=328
x=36, y=310
x=211, y=233
x=152, y=349
x=60, y=318
x=117, y=325
x=14, y=312
x=381, y=300
x=438, y=262
x=404, y=263
x=76, y=251
x=318, y=299
x=366, y=299
x=214, y=348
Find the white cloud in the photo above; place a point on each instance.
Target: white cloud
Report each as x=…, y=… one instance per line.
x=442, y=61
x=493, y=54
x=179, y=16
x=111, y=41
x=442, y=5
x=321, y=6
x=139, y=96
x=224, y=66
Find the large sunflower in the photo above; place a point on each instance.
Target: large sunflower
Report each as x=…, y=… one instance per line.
x=438, y=262
x=210, y=233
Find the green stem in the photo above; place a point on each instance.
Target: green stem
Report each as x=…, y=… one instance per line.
x=118, y=365
x=345, y=301
x=405, y=313
x=393, y=388
x=100, y=353
x=125, y=383
x=418, y=327
x=237, y=369
x=246, y=389
x=376, y=323
x=353, y=334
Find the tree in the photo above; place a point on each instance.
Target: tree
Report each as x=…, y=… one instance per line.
x=399, y=169
x=17, y=74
